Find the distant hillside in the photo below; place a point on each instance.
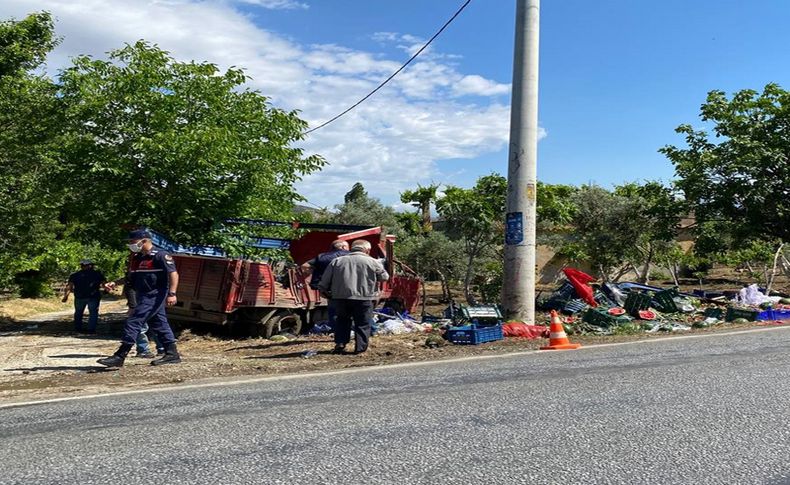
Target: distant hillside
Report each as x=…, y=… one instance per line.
x=302, y=209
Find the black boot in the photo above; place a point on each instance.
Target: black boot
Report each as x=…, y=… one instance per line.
x=171, y=356
x=116, y=360
x=339, y=349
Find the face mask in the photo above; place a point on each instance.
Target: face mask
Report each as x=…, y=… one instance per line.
x=136, y=247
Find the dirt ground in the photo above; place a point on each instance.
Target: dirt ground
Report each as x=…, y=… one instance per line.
x=41, y=357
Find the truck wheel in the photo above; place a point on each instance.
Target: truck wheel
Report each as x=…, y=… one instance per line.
x=255, y=323
x=282, y=322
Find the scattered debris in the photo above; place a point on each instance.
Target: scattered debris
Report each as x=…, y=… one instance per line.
x=322, y=328
x=435, y=341
x=629, y=307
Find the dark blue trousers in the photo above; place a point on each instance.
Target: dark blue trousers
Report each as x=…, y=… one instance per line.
x=361, y=313
x=150, y=309
x=331, y=312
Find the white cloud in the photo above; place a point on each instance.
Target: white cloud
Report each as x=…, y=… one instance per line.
x=385, y=37
x=478, y=85
x=276, y=4
x=428, y=113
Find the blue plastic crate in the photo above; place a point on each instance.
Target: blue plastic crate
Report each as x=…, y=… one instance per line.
x=774, y=315
x=472, y=334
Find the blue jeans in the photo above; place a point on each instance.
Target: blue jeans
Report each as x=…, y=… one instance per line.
x=93, y=313
x=142, y=341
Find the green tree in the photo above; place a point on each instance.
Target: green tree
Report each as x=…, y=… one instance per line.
x=630, y=229
x=759, y=258
x=422, y=198
x=740, y=181
x=554, y=204
x=368, y=211
x=603, y=231
x=24, y=44
x=435, y=254
x=29, y=125
x=744, y=174
x=657, y=209
x=178, y=146
x=356, y=193
x=410, y=222
x=476, y=216
x=555, y=210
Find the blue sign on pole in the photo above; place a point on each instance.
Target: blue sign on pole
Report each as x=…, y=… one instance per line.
x=514, y=230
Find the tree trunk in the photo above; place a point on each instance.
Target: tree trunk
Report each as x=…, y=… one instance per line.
x=627, y=268
x=446, y=296
x=636, y=272
x=468, y=280
x=644, y=275
x=674, y=270
x=772, y=276
x=427, y=225
x=750, y=269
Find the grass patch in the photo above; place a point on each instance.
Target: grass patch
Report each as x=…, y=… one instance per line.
x=18, y=308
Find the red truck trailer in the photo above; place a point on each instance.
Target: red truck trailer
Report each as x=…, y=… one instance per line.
x=263, y=298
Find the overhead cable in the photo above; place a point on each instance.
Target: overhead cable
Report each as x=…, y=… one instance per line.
x=425, y=46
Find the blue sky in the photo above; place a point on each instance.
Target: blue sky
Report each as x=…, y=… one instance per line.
x=617, y=76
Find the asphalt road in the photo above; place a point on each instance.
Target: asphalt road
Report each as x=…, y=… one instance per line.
x=692, y=411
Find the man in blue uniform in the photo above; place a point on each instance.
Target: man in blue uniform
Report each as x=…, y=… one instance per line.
x=87, y=285
x=155, y=280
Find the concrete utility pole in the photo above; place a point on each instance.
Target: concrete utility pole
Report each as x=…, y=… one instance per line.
x=519, y=279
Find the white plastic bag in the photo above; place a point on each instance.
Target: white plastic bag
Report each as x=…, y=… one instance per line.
x=751, y=295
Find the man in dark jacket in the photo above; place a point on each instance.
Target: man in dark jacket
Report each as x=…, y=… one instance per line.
x=86, y=284
x=155, y=281
x=352, y=282
x=318, y=265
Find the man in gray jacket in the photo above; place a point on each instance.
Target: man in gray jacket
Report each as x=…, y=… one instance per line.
x=352, y=282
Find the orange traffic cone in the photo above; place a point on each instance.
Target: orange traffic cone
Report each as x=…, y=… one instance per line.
x=558, y=340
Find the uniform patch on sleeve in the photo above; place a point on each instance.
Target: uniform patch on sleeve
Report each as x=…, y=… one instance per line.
x=168, y=257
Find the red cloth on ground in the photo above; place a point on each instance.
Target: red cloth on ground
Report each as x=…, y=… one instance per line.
x=520, y=329
x=579, y=280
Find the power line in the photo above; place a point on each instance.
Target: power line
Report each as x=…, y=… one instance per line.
x=457, y=13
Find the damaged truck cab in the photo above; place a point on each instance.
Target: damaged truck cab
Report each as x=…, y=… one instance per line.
x=263, y=298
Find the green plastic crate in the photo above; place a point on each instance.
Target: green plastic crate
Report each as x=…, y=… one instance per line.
x=601, y=318
x=482, y=314
x=736, y=313
x=637, y=301
x=665, y=301
x=481, y=311
x=714, y=313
